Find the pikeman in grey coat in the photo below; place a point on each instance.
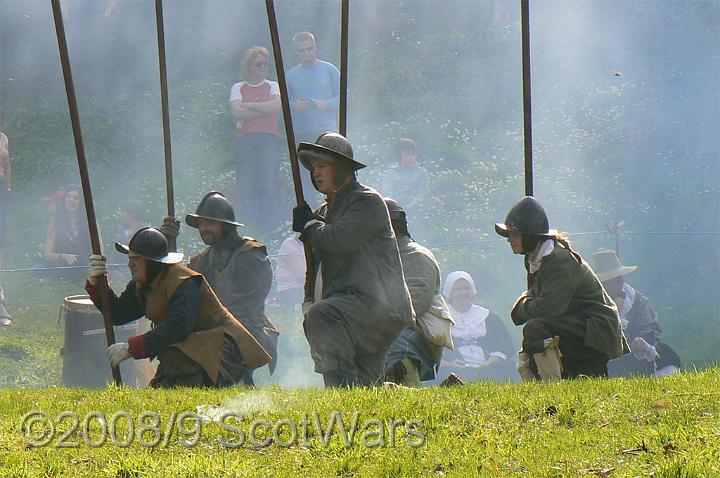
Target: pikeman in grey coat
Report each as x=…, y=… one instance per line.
x=356, y=302
x=571, y=325
x=412, y=358
x=236, y=267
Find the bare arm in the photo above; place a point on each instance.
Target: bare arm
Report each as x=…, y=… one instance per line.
x=48, y=251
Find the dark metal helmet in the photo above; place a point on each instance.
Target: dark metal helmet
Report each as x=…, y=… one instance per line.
x=398, y=218
x=151, y=244
x=216, y=207
x=329, y=147
x=526, y=217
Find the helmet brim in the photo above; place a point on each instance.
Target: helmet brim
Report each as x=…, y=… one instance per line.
x=192, y=220
x=309, y=152
x=170, y=258
x=504, y=231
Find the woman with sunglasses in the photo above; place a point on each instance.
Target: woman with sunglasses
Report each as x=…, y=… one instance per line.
x=254, y=103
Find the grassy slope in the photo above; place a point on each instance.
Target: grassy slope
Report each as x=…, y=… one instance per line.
x=671, y=427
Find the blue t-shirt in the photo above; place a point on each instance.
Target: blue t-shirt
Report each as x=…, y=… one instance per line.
x=320, y=81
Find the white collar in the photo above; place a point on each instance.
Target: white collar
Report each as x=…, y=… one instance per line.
x=545, y=249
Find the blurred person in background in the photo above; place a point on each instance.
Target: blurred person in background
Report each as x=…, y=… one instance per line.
x=314, y=92
x=254, y=103
x=571, y=325
x=407, y=182
x=5, y=183
x=356, y=301
x=67, y=243
x=236, y=267
x=640, y=323
x=290, y=272
x=483, y=346
x=132, y=216
x=412, y=357
x=196, y=339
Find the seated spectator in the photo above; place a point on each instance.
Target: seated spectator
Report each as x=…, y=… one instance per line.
x=290, y=272
x=407, y=182
x=483, y=347
x=639, y=322
x=68, y=239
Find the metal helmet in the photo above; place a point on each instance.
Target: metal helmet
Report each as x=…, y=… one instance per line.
x=526, y=217
x=216, y=207
x=151, y=244
x=398, y=218
x=329, y=147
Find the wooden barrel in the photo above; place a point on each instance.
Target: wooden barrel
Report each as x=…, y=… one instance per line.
x=85, y=363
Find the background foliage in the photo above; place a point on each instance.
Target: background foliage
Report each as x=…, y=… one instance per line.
x=641, y=145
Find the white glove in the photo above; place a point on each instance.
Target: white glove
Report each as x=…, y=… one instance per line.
x=98, y=268
x=642, y=350
x=118, y=352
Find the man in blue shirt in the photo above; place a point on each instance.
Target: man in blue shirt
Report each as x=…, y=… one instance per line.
x=314, y=91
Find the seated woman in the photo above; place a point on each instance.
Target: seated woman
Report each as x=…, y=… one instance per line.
x=197, y=341
x=68, y=240
x=483, y=347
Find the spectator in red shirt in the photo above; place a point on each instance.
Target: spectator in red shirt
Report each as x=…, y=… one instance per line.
x=254, y=103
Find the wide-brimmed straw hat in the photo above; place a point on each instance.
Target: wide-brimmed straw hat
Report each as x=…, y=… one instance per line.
x=607, y=265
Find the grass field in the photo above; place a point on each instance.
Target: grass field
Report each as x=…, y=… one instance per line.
x=666, y=427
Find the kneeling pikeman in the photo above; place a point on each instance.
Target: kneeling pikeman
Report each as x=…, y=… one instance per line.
x=571, y=325
x=357, y=302
x=237, y=268
x=413, y=357
x=197, y=341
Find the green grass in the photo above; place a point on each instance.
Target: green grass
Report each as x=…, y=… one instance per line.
x=620, y=428
x=643, y=427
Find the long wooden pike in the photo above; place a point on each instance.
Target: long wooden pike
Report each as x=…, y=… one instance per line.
x=165, y=116
x=527, y=106
x=287, y=116
x=343, y=65
x=84, y=178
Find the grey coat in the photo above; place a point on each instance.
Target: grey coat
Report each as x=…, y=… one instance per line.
x=239, y=271
x=422, y=276
x=356, y=250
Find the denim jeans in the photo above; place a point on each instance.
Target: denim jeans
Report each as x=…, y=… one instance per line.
x=257, y=161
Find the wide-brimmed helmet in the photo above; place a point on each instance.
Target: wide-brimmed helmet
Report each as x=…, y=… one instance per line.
x=216, y=207
x=329, y=146
x=526, y=217
x=150, y=243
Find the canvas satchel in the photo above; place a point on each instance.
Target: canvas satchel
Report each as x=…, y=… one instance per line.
x=437, y=323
